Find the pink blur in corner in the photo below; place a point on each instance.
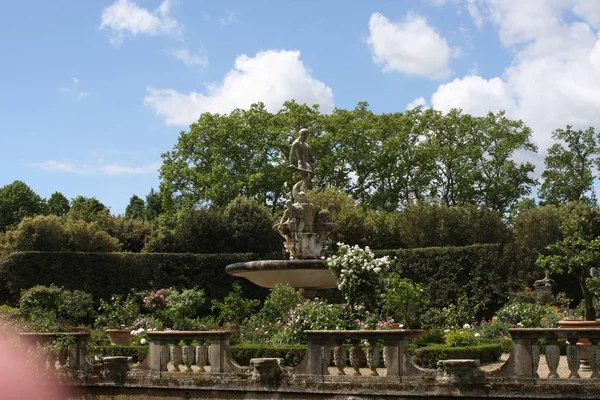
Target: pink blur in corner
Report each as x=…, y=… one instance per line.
x=20, y=381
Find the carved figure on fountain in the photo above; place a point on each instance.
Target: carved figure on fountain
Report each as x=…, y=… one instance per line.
x=307, y=233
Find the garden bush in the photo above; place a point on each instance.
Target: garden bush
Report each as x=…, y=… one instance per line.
x=137, y=353
x=428, y=356
x=105, y=274
x=472, y=271
x=291, y=354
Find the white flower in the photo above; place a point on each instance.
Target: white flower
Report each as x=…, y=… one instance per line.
x=466, y=326
x=143, y=341
x=446, y=330
x=477, y=335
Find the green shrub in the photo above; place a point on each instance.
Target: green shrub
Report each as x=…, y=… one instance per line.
x=528, y=315
x=461, y=338
x=431, y=336
x=234, y=308
x=291, y=354
x=76, y=307
x=429, y=356
x=105, y=274
x=281, y=300
x=137, y=353
x=444, y=271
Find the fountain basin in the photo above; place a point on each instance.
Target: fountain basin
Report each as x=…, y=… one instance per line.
x=310, y=275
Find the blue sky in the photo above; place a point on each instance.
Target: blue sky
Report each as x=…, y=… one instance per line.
x=92, y=92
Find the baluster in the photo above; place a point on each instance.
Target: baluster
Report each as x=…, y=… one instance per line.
x=339, y=358
x=594, y=358
x=384, y=356
x=164, y=357
x=187, y=357
x=51, y=359
x=356, y=357
x=573, y=359
x=552, y=356
x=535, y=358
x=373, y=357
x=325, y=358
x=201, y=356
x=175, y=355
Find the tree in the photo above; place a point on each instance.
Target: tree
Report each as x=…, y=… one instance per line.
x=578, y=250
x=87, y=209
x=17, y=201
x=453, y=143
x=569, y=168
x=250, y=227
x=501, y=181
x=58, y=204
x=136, y=208
x=224, y=156
x=153, y=205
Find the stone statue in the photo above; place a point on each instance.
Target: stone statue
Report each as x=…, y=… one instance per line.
x=306, y=230
x=546, y=282
x=305, y=163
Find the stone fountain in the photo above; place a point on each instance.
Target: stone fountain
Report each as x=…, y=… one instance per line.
x=306, y=231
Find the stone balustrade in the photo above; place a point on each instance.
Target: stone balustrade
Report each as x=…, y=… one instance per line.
x=340, y=353
x=524, y=359
x=72, y=358
x=322, y=344
x=166, y=354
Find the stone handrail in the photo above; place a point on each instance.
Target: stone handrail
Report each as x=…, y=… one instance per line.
x=524, y=359
x=73, y=358
x=165, y=353
x=397, y=360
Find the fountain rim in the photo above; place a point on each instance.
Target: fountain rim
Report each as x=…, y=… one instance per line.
x=267, y=265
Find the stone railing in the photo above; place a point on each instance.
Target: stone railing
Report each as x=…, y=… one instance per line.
x=166, y=354
x=524, y=359
x=72, y=357
x=340, y=353
x=322, y=344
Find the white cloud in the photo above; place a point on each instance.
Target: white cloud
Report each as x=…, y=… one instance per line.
x=272, y=77
x=199, y=61
x=554, y=77
x=100, y=167
x=125, y=17
x=73, y=90
x=411, y=46
x=420, y=101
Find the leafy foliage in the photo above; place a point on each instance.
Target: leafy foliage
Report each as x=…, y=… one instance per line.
x=17, y=201
x=569, y=173
x=360, y=276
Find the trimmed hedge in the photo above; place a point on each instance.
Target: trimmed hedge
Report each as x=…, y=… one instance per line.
x=105, y=274
x=473, y=271
x=291, y=354
x=429, y=356
x=137, y=353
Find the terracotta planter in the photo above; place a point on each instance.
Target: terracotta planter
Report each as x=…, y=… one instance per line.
x=583, y=343
x=119, y=337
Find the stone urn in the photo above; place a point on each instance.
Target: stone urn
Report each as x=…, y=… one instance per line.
x=119, y=337
x=583, y=343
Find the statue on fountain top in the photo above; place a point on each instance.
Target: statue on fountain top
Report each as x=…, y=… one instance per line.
x=306, y=231
x=305, y=163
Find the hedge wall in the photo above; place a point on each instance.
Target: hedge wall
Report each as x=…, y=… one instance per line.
x=104, y=274
x=476, y=272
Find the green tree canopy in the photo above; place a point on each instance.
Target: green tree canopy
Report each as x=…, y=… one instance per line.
x=385, y=161
x=58, y=204
x=569, y=166
x=136, y=208
x=17, y=201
